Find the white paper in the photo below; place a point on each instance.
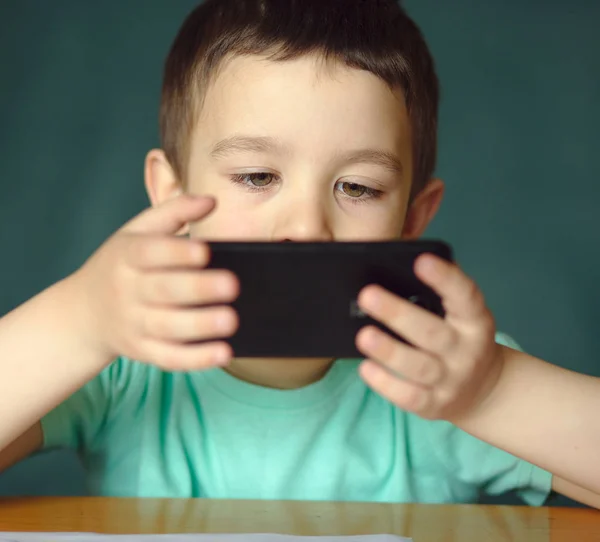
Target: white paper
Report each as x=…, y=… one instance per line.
x=93, y=537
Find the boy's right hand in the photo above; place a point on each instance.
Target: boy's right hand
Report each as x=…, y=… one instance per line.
x=145, y=293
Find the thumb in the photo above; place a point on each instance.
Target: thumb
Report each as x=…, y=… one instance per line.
x=172, y=215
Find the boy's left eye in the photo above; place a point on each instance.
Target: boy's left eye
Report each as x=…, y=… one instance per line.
x=357, y=192
x=353, y=190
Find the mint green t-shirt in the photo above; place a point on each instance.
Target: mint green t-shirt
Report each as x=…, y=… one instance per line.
x=148, y=433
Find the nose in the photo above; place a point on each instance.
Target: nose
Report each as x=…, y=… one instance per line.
x=304, y=219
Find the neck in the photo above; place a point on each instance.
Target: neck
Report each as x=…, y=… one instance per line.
x=284, y=374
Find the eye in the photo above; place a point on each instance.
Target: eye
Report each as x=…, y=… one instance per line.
x=353, y=190
x=254, y=181
x=357, y=193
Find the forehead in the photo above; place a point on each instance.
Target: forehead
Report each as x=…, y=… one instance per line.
x=305, y=101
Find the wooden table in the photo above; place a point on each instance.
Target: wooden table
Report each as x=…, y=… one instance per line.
x=425, y=523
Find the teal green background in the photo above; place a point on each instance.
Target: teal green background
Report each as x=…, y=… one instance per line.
x=79, y=92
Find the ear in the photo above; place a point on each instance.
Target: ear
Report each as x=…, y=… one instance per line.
x=161, y=182
x=423, y=209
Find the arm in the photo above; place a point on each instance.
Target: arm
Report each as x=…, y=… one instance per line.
x=132, y=297
x=28, y=443
x=453, y=369
x=548, y=416
x=35, y=372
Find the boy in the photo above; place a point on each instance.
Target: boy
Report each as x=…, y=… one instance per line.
x=280, y=120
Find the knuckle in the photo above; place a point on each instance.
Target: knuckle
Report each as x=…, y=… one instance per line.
x=158, y=289
x=451, y=339
x=431, y=333
x=155, y=325
x=162, y=327
x=428, y=372
x=197, y=286
x=443, y=336
x=176, y=250
x=397, y=318
x=148, y=250
x=134, y=249
x=421, y=371
x=448, y=338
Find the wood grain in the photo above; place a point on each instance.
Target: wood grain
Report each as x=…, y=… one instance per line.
x=425, y=523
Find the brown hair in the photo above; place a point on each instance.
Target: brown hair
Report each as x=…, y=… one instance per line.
x=373, y=35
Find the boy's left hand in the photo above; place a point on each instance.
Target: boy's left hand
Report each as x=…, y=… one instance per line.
x=451, y=365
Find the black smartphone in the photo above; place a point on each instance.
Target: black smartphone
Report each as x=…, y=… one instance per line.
x=298, y=299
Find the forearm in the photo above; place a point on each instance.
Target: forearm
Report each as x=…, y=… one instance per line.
x=546, y=415
x=43, y=359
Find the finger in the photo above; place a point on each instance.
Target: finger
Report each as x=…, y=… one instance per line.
x=406, y=395
x=172, y=215
x=167, y=252
x=399, y=358
x=460, y=295
x=414, y=324
x=189, y=325
x=189, y=288
x=178, y=357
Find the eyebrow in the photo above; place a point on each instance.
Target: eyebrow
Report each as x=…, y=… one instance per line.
x=384, y=159
x=270, y=145
x=241, y=144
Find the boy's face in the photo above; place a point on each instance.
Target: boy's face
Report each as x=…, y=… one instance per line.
x=298, y=151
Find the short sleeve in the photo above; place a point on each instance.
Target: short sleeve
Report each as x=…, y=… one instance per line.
x=507, y=340
x=79, y=421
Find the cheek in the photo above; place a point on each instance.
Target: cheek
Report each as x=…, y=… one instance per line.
x=372, y=222
x=374, y=227
x=231, y=220
x=228, y=222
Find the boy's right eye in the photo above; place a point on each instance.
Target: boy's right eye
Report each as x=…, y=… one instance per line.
x=254, y=181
